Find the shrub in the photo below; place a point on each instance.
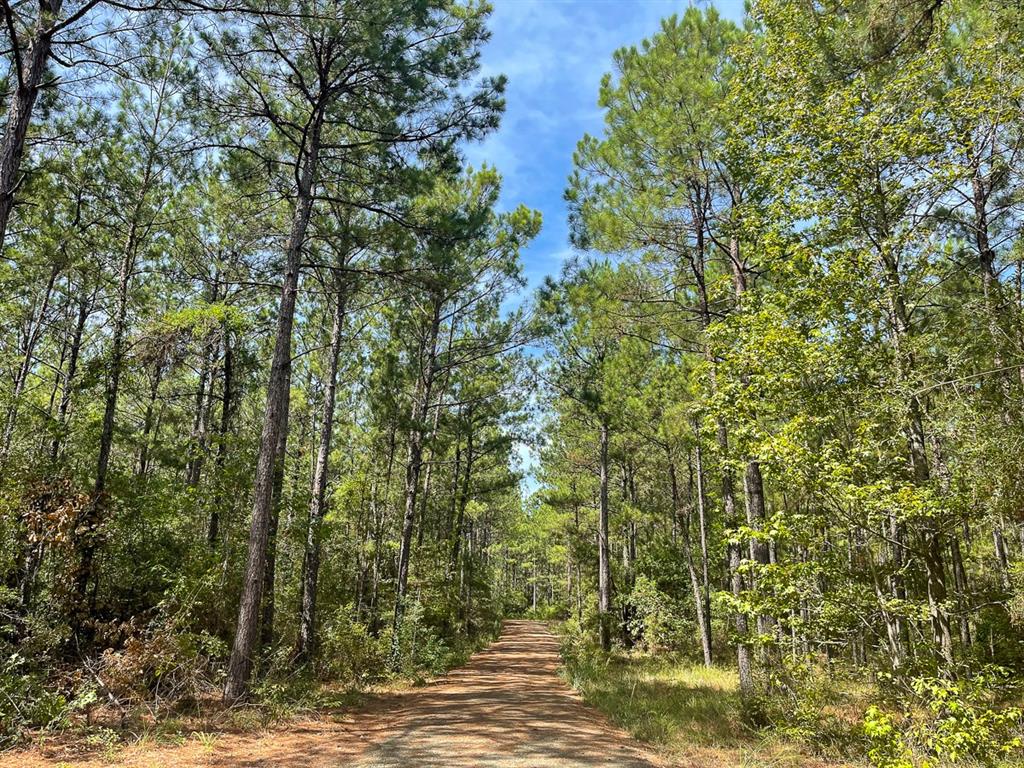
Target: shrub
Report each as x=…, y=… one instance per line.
x=546, y=612
x=950, y=720
x=163, y=664
x=349, y=654
x=422, y=650
x=965, y=722
x=580, y=655
x=799, y=699
x=886, y=745
x=656, y=619
x=26, y=701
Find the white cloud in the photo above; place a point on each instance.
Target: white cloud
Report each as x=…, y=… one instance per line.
x=554, y=53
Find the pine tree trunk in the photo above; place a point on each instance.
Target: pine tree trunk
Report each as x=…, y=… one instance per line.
x=147, y=421
x=270, y=559
x=428, y=471
x=306, y=643
x=204, y=398
x=702, y=506
x=274, y=422
x=380, y=526
x=67, y=387
x=227, y=393
x=116, y=364
x=463, y=499
x=445, y=533
x=685, y=522
x=413, y=464
x=604, y=573
x=19, y=111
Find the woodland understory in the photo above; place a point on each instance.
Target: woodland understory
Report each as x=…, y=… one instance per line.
x=270, y=369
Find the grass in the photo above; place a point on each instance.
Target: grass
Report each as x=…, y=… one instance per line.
x=686, y=711
x=276, y=701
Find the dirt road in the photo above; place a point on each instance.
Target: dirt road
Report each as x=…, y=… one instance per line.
x=507, y=708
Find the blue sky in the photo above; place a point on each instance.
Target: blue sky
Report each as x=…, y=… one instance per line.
x=554, y=53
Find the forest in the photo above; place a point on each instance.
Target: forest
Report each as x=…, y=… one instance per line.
x=283, y=419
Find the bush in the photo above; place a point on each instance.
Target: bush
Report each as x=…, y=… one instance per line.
x=546, y=612
x=163, y=664
x=886, y=745
x=26, y=701
x=799, y=699
x=31, y=695
x=349, y=654
x=580, y=655
x=951, y=720
x=422, y=650
x=656, y=619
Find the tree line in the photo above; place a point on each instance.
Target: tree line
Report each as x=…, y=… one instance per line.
x=261, y=383
x=784, y=372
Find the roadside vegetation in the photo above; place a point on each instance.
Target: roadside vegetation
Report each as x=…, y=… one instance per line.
x=694, y=714
x=269, y=369
x=260, y=394
x=783, y=379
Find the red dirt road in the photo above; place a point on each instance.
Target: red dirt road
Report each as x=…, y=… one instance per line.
x=507, y=708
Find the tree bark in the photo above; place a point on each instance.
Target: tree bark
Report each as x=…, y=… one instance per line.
x=1002, y=554
x=413, y=464
x=274, y=422
x=705, y=564
x=744, y=661
x=685, y=521
x=604, y=573
x=148, y=420
x=84, y=309
x=463, y=498
x=306, y=643
x=204, y=400
x=213, y=530
x=270, y=560
x=19, y=111
x=753, y=489
x=963, y=599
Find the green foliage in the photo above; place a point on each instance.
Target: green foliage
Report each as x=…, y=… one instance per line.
x=423, y=651
x=25, y=701
x=968, y=722
x=886, y=747
x=349, y=654
x=803, y=700
x=28, y=701
x=656, y=618
x=947, y=721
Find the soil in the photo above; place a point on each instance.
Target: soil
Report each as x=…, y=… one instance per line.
x=507, y=708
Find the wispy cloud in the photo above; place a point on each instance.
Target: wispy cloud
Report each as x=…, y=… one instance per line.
x=554, y=53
